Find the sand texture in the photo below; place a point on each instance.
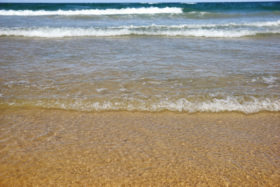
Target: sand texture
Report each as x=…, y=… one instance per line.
x=66, y=148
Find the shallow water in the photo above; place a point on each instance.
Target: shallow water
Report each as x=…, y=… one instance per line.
x=141, y=57
x=141, y=73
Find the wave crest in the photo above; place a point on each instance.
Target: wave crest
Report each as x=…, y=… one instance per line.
x=150, y=10
x=220, y=31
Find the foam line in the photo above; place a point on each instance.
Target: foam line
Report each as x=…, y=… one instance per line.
x=150, y=10
x=49, y=32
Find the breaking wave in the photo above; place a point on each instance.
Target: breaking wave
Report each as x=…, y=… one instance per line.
x=230, y=30
x=149, y=10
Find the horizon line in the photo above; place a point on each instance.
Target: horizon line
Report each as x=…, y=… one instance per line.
x=190, y=2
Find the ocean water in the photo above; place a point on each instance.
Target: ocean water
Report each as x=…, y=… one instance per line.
x=203, y=57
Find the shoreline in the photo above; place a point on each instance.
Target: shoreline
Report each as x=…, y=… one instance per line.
x=5, y=107
x=57, y=147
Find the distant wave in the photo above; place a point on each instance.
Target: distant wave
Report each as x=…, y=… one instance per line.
x=228, y=104
x=229, y=30
x=149, y=10
x=168, y=11
x=252, y=24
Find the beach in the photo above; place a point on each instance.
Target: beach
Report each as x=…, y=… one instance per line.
x=140, y=94
x=64, y=148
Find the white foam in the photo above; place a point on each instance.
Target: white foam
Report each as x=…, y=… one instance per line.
x=261, y=24
x=221, y=105
x=123, y=89
x=251, y=24
x=194, y=30
x=149, y=10
x=227, y=104
x=48, y=32
x=101, y=89
x=269, y=80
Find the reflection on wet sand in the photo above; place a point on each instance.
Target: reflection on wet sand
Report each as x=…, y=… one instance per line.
x=63, y=148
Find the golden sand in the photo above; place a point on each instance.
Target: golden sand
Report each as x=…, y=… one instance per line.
x=65, y=148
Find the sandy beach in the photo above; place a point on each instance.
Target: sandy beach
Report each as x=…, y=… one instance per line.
x=139, y=94
x=41, y=147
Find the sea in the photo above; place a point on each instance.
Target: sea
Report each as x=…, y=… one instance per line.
x=149, y=57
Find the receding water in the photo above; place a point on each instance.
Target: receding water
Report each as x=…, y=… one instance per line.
x=143, y=57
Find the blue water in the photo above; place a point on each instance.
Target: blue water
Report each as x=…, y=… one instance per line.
x=256, y=6
x=161, y=19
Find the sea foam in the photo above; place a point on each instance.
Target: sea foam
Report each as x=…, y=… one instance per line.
x=227, y=104
x=183, y=30
x=149, y=10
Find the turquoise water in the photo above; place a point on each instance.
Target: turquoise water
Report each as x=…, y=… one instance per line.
x=220, y=7
x=204, y=57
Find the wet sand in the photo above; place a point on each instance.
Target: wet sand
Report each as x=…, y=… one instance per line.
x=67, y=148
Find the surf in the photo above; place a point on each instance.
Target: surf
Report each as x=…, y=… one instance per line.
x=231, y=30
x=96, y=12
